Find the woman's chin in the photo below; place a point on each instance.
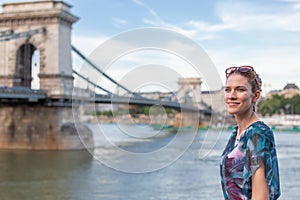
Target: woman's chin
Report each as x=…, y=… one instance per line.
x=231, y=111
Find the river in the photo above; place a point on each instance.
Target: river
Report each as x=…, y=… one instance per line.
x=101, y=173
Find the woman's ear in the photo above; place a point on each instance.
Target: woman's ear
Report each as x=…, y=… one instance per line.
x=256, y=96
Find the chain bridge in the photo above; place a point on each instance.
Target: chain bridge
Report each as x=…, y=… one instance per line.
x=37, y=92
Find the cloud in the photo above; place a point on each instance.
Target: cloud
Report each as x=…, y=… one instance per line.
x=297, y=6
x=87, y=44
x=159, y=22
x=120, y=22
x=276, y=67
x=235, y=16
x=238, y=16
x=121, y=56
x=187, y=32
x=203, y=26
x=296, y=3
x=138, y=2
x=243, y=16
x=199, y=31
x=149, y=9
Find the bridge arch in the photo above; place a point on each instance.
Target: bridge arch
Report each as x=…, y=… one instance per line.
x=37, y=25
x=23, y=74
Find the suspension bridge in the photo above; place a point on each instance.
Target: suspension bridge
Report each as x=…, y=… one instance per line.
x=41, y=118
x=22, y=93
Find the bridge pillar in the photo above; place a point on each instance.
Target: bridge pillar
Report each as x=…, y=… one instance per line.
x=53, y=42
x=37, y=34
x=185, y=119
x=189, y=91
x=41, y=128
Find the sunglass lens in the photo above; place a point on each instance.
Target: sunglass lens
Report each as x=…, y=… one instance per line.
x=230, y=70
x=245, y=69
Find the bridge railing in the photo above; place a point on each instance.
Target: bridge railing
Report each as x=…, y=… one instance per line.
x=15, y=93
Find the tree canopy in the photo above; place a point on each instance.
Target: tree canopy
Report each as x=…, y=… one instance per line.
x=278, y=104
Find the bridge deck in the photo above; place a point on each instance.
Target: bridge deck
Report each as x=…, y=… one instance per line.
x=21, y=93
x=27, y=95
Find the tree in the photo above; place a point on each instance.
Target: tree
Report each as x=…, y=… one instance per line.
x=279, y=104
x=295, y=104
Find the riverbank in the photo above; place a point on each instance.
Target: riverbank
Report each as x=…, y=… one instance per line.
x=157, y=121
x=287, y=123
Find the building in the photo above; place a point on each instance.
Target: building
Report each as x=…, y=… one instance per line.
x=290, y=90
x=215, y=100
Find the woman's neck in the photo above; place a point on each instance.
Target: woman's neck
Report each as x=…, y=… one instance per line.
x=244, y=121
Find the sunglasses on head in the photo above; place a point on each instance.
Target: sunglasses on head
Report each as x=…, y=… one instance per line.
x=242, y=69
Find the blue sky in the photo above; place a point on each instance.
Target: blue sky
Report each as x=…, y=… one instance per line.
x=264, y=34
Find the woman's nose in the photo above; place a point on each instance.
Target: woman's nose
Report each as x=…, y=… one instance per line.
x=231, y=95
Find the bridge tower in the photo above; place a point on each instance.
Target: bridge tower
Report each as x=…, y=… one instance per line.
x=189, y=93
x=35, y=44
x=52, y=23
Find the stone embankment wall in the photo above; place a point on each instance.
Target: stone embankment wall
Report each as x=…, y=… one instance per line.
x=178, y=120
x=41, y=127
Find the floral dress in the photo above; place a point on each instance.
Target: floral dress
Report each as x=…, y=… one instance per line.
x=240, y=160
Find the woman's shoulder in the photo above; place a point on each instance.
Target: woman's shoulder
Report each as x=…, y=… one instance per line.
x=259, y=128
x=260, y=125
x=260, y=135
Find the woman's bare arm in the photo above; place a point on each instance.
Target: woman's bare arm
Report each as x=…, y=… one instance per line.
x=260, y=189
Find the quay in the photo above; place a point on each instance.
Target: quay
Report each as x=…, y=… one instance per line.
x=283, y=122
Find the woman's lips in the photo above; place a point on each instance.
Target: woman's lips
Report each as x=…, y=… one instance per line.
x=232, y=103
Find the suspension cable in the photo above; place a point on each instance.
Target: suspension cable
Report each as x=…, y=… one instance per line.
x=100, y=71
x=87, y=80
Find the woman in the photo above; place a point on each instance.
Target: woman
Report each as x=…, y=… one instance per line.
x=249, y=166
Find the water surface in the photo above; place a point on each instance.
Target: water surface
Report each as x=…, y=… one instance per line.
x=64, y=175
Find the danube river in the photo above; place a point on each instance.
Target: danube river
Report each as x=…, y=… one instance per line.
x=83, y=175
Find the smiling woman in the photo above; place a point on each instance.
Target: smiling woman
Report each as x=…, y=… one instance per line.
x=249, y=166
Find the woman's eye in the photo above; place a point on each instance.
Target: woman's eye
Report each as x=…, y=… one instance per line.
x=227, y=89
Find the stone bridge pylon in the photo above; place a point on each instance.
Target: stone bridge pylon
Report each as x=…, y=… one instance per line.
x=50, y=24
x=35, y=53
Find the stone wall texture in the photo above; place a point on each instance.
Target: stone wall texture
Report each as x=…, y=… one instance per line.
x=41, y=127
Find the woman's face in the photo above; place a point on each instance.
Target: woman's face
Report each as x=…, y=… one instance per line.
x=239, y=97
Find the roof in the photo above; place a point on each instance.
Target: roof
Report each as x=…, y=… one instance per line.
x=291, y=86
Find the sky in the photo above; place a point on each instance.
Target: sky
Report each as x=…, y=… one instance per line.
x=264, y=34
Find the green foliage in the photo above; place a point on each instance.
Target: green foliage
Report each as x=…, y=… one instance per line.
x=107, y=113
x=135, y=111
x=295, y=103
x=146, y=110
x=279, y=104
